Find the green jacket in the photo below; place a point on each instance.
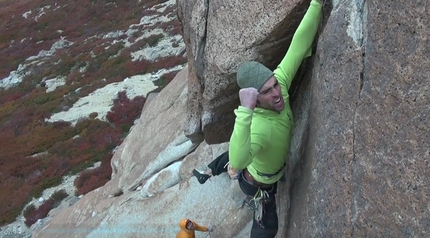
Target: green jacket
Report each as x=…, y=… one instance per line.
x=261, y=138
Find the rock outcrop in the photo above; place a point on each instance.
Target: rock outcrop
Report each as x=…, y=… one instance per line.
x=366, y=157
x=358, y=165
x=151, y=187
x=220, y=35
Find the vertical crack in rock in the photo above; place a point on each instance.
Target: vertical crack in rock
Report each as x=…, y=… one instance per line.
x=199, y=59
x=197, y=45
x=201, y=69
x=199, y=55
x=363, y=39
x=355, y=30
x=359, y=24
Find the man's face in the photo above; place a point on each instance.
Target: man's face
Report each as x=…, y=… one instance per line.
x=189, y=225
x=270, y=97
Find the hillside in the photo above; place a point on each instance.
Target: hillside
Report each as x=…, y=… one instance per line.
x=74, y=77
x=358, y=158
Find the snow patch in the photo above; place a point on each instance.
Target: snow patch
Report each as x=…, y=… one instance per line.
x=62, y=43
x=52, y=84
x=26, y=14
x=101, y=100
x=162, y=49
x=41, y=12
x=15, y=77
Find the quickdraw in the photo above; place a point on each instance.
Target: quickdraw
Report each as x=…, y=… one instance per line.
x=257, y=205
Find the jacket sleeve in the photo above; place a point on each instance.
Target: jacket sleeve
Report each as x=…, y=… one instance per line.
x=244, y=144
x=198, y=227
x=300, y=46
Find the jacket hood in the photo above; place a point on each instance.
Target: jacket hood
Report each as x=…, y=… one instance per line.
x=183, y=223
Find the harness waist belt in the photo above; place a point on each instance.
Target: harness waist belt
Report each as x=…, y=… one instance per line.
x=271, y=175
x=250, y=179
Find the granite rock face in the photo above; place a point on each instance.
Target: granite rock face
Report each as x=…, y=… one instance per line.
x=152, y=187
x=220, y=35
x=359, y=159
x=366, y=158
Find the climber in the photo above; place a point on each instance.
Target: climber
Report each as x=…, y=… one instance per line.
x=260, y=141
x=189, y=227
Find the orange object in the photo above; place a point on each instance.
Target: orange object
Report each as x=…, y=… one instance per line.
x=188, y=229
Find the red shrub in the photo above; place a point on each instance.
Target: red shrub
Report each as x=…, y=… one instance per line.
x=94, y=178
x=39, y=213
x=23, y=131
x=138, y=67
x=165, y=79
x=14, y=199
x=169, y=62
x=138, y=45
x=10, y=95
x=125, y=111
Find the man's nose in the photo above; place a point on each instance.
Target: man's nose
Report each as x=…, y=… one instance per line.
x=276, y=93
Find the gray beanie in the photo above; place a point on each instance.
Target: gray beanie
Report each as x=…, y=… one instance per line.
x=252, y=74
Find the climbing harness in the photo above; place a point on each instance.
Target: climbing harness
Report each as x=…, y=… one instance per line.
x=274, y=174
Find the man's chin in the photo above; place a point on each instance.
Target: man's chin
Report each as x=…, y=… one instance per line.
x=279, y=108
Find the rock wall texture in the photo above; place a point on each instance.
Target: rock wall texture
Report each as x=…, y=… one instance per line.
x=359, y=160
x=152, y=187
x=220, y=35
x=367, y=155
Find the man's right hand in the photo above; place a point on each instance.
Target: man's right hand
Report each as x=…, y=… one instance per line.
x=231, y=172
x=248, y=97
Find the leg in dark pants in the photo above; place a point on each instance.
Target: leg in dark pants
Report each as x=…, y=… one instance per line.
x=270, y=217
x=270, y=221
x=217, y=167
